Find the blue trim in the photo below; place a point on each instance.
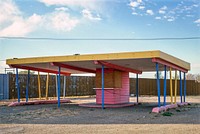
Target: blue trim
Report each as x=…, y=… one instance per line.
x=59, y=86
x=27, y=85
x=181, y=94
x=158, y=83
x=184, y=87
x=137, y=90
x=165, y=85
x=17, y=84
x=102, y=84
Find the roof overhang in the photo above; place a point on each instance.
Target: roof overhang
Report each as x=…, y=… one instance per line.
x=135, y=62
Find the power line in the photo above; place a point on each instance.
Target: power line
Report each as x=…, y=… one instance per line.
x=93, y=39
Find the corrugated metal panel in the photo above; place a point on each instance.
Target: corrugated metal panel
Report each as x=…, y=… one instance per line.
x=4, y=86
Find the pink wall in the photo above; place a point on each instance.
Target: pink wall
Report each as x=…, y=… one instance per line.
x=115, y=96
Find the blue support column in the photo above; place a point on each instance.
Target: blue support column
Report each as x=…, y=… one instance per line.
x=180, y=87
x=17, y=84
x=59, y=86
x=102, y=84
x=165, y=85
x=27, y=85
x=137, y=90
x=158, y=83
x=184, y=87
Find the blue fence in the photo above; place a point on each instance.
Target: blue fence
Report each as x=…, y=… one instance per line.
x=4, y=86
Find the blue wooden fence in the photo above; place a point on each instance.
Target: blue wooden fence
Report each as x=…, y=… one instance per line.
x=4, y=86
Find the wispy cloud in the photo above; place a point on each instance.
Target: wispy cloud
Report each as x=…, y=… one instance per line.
x=150, y=12
x=197, y=22
x=62, y=9
x=89, y=15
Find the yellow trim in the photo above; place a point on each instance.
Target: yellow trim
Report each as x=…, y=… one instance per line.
x=47, y=86
x=175, y=87
x=39, y=89
x=108, y=56
x=171, y=90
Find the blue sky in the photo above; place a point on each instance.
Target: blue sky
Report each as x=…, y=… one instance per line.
x=99, y=19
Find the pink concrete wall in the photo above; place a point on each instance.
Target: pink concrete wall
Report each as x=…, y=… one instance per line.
x=115, y=96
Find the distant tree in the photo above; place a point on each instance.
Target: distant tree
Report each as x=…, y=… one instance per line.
x=190, y=77
x=197, y=78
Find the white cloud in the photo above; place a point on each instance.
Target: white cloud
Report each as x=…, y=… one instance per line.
x=150, y=12
x=88, y=14
x=61, y=9
x=163, y=8
x=141, y=7
x=3, y=66
x=8, y=11
x=11, y=20
x=91, y=4
x=162, y=12
x=158, y=18
x=134, y=4
x=60, y=21
x=134, y=13
x=197, y=21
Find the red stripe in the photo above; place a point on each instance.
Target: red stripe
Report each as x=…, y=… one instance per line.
x=40, y=69
x=118, y=67
x=169, y=64
x=73, y=67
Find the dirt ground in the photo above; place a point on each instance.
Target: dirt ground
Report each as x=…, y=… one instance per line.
x=71, y=118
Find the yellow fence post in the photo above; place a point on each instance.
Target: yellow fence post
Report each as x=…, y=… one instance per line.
x=175, y=88
x=171, y=90
x=39, y=90
x=47, y=86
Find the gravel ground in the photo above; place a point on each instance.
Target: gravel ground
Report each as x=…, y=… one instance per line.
x=21, y=118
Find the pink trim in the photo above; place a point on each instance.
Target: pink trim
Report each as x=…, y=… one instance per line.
x=73, y=67
x=121, y=68
x=163, y=108
x=169, y=64
x=40, y=69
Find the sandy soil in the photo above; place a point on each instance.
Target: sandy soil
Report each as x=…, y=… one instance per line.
x=71, y=118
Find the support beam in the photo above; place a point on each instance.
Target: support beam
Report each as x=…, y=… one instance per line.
x=102, y=86
x=39, y=87
x=169, y=64
x=59, y=70
x=117, y=67
x=184, y=99
x=175, y=87
x=165, y=84
x=73, y=67
x=40, y=69
x=158, y=83
x=171, y=90
x=17, y=85
x=64, y=87
x=180, y=87
x=47, y=86
x=27, y=85
x=137, y=88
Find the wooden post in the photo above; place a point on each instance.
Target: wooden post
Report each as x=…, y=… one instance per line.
x=47, y=86
x=39, y=89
